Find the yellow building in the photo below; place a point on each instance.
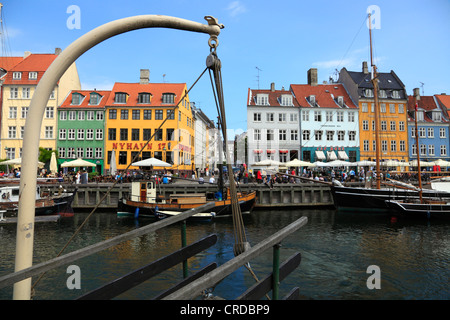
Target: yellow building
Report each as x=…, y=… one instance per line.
x=19, y=84
x=392, y=126
x=139, y=112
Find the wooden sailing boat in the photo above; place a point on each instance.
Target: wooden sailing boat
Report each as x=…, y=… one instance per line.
x=380, y=199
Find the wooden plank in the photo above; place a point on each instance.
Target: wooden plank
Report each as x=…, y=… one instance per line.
x=194, y=289
x=293, y=295
x=188, y=280
x=87, y=251
x=258, y=290
x=134, y=278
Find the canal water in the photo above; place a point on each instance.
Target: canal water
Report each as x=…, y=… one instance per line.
x=412, y=257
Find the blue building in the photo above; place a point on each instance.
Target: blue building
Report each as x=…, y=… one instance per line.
x=432, y=127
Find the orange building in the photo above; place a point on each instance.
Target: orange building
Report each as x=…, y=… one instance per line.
x=393, y=122
x=159, y=112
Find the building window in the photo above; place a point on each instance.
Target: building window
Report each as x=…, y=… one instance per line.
x=112, y=134
x=89, y=153
x=98, y=134
x=124, y=114
x=317, y=116
x=100, y=115
x=14, y=93
x=80, y=134
x=318, y=134
x=122, y=157
x=393, y=126
x=146, y=134
x=330, y=135
x=62, y=152
x=170, y=134
x=306, y=135
x=49, y=112
x=442, y=133
x=32, y=75
x=364, y=107
x=443, y=150
x=158, y=134
x=305, y=115
x=366, y=145
x=17, y=75
x=395, y=94
x=48, y=132
x=257, y=117
x=294, y=135
x=282, y=117
x=71, y=134
x=402, y=146
x=135, y=134
x=89, y=134
x=11, y=132
x=25, y=93
x=76, y=99
x=124, y=134
x=90, y=115
x=383, y=125
x=24, y=112
x=423, y=150
x=340, y=116
x=12, y=113
x=256, y=134
x=144, y=98
x=351, y=117
x=269, y=117
x=262, y=99
x=158, y=114
x=168, y=98
x=430, y=132
x=62, y=134
x=170, y=115
x=94, y=99
x=72, y=115
x=147, y=114
x=422, y=132
x=135, y=114
x=329, y=116
x=431, y=150
x=393, y=145
x=282, y=134
x=286, y=100
x=98, y=153
x=384, y=146
x=368, y=93
x=113, y=114
x=352, y=135
x=401, y=125
x=270, y=135
x=120, y=97
x=365, y=125
x=81, y=115
x=341, y=135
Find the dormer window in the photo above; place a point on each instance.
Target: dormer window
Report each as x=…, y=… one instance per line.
x=312, y=100
x=168, y=98
x=437, y=116
x=94, y=99
x=340, y=101
x=419, y=115
x=383, y=94
x=286, y=100
x=77, y=98
x=17, y=75
x=120, y=97
x=262, y=99
x=32, y=75
x=396, y=94
x=368, y=93
x=144, y=97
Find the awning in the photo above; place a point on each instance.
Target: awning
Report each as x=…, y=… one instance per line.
x=257, y=151
x=271, y=151
x=284, y=151
x=342, y=155
x=320, y=155
x=331, y=155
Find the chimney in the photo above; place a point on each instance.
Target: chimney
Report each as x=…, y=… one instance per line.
x=312, y=77
x=416, y=93
x=145, y=76
x=272, y=87
x=365, y=68
x=58, y=51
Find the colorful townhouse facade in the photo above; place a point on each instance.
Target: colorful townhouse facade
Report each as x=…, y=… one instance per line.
x=143, y=111
x=81, y=127
x=17, y=89
x=393, y=116
x=432, y=126
x=328, y=121
x=273, y=125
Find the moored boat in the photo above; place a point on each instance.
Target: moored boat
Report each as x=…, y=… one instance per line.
x=46, y=204
x=145, y=201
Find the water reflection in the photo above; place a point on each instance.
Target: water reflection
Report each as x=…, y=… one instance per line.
x=336, y=249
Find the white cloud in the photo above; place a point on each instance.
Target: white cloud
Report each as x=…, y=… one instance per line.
x=334, y=64
x=235, y=8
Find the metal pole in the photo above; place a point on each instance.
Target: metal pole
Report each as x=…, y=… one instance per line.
x=276, y=272
x=25, y=223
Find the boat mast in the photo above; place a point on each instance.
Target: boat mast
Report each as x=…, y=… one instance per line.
x=375, y=94
x=417, y=147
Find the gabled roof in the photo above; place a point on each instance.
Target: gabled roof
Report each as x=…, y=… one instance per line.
x=273, y=95
x=67, y=103
x=32, y=63
x=426, y=103
x=155, y=89
x=444, y=101
x=326, y=95
x=9, y=62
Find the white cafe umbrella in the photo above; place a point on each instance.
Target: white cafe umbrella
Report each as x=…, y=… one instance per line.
x=366, y=163
x=151, y=162
x=413, y=163
x=442, y=163
x=339, y=163
x=113, y=165
x=78, y=163
x=299, y=163
x=53, y=164
x=18, y=161
x=268, y=162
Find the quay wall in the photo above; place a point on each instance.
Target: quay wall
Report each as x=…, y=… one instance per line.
x=281, y=195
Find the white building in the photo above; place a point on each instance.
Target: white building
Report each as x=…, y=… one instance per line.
x=204, y=149
x=273, y=127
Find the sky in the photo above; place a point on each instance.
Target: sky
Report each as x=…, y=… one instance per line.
x=263, y=42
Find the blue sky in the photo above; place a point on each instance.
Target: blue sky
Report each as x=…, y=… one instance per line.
x=281, y=38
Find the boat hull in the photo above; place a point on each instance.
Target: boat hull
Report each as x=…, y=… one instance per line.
x=137, y=209
x=347, y=198
x=419, y=210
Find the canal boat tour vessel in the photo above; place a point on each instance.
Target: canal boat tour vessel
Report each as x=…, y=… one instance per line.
x=145, y=201
x=46, y=203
